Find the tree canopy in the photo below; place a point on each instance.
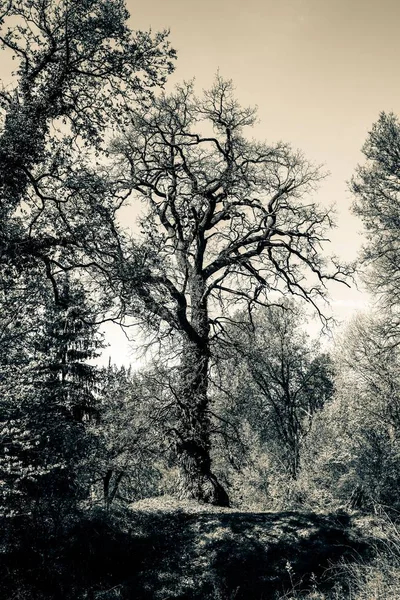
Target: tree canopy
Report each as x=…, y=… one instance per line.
x=230, y=211
x=79, y=69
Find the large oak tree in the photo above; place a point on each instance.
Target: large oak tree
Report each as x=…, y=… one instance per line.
x=227, y=220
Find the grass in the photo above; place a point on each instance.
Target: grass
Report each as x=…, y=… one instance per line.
x=375, y=576
x=163, y=549
x=186, y=550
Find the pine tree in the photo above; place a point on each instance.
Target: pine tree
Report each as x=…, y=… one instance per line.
x=66, y=384
x=49, y=395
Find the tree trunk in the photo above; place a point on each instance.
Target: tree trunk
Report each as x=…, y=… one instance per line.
x=106, y=488
x=196, y=480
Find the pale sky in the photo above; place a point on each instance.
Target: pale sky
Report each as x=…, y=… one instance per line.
x=320, y=71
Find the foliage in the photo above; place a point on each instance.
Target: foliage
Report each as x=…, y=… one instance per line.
x=379, y=577
x=79, y=67
x=77, y=61
x=130, y=454
x=273, y=381
x=167, y=548
x=238, y=399
x=46, y=399
x=377, y=201
x=374, y=575
x=353, y=455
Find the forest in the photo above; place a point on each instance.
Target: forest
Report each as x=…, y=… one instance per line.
x=240, y=455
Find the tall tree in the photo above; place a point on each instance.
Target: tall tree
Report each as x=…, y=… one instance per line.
x=376, y=188
x=79, y=67
x=225, y=223
x=68, y=340
x=67, y=387
x=21, y=303
x=78, y=70
x=47, y=400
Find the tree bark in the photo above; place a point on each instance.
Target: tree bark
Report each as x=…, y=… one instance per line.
x=196, y=479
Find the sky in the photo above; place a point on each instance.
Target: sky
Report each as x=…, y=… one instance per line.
x=320, y=72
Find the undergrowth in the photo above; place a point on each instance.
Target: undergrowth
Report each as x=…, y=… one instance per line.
x=373, y=576
x=159, y=549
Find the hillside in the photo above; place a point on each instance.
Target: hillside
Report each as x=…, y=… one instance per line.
x=165, y=549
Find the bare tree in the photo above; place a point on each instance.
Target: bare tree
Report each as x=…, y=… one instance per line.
x=225, y=224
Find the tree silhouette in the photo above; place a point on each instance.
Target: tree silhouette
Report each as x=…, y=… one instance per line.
x=225, y=224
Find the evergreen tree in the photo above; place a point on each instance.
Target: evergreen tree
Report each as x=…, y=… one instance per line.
x=47, y=400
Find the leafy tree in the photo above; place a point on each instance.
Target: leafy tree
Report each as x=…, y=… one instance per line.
x=66, y=385
x=225, y=223
x=68, y=340
x=353, y=453
x=376, y=187
x=20, y=299
x=369, y=355
x=20, y=302
x=46, y=400
x=79, y=68
x=18, y=444
x=273, y=381
x=128, y=457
